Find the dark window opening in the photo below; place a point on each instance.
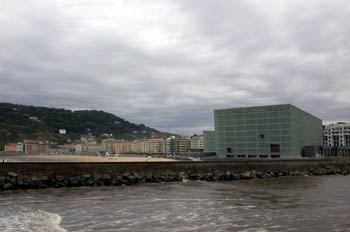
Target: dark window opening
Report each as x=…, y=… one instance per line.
x=229, y=150
x=251, y=156
x=262, y=136
x=263, y=156
x=275, y=156
x=230, y=156
x=241, y=156
x=274, y=148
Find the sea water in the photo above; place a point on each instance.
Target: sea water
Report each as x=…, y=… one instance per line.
x=277, y=204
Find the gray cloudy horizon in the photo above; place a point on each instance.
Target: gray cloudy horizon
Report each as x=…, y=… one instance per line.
x=168, y=64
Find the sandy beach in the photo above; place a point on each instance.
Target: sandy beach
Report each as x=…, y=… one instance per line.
x=78, y=158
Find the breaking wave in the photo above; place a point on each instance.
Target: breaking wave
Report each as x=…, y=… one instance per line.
x=29, y=220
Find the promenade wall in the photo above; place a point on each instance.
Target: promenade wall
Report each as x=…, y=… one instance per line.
x=42, y=175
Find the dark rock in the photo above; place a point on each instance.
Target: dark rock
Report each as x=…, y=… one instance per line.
x=20, y=182
x=259, y=175
x=75, y=181
x=60, y=178
x=43, y=178
x=86, y=176
x=12, y=174
x=126, y=174
x=13, y=180
x=246, y=175
x=236, y=177
x=149, y=177
x=228, y=176
x=318, y=171
x=2, y=178
x=8, y=186
x=90, y=182
x=116, y=180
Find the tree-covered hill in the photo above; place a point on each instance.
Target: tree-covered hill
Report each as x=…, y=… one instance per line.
x=18, y=122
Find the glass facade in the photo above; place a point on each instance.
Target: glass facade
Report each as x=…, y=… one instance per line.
x=265, y=131
x=209, y=141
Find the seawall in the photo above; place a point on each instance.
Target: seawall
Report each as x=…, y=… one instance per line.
x=44, y=175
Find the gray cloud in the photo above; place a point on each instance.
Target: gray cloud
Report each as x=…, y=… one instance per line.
x=168, y=64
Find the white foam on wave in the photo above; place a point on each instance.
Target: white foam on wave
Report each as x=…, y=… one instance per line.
x=30, y=220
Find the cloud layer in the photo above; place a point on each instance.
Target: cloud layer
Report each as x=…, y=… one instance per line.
x=168, y=64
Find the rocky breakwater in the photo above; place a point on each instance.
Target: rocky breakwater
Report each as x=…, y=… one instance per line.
x=108, y=177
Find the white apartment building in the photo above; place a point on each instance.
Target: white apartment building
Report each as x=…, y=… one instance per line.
x=197, y=142
x=336, y=135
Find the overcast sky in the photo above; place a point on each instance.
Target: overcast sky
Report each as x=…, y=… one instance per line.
x=168, y=64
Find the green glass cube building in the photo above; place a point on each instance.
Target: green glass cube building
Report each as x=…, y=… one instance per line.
x=276, y=131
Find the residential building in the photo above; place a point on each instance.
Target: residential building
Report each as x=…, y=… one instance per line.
x=182, y=144
x=90, y=148
x=148, y=146
x=276, y=131
x=197, y=143
x=11, y=147
x=337, y=135
x=35, y=147
x=122, y=147
x=170, y=145
x=107, y=145
x=153, y=146
x=336, y=139
x=19, y=147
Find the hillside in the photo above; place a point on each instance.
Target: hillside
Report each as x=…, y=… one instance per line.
x=18, y=122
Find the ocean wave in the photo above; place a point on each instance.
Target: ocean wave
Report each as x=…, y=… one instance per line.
x=30, y=220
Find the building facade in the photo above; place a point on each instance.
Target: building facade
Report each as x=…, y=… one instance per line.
x=336, y=139
x=91, y=148
x=11, y=147
x=182, y=144
x=337, y=135
x=209, y=141
x=35, y=147
x=197, y=143
x=277, y=131
x=121, y=147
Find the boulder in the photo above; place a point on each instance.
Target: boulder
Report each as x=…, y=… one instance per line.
x=8, y=186
x=247, y=175
x=60, y=178
x=12, y=174
x=86, y=176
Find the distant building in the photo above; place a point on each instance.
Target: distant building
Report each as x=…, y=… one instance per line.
x=35, y=147
x=153, y=146
x=11, y=147
x=19, y=147
x=276, y=131
x=170, y=145
x=148, y=146
x=91, y=148
x=88, y=137
x=336, y=139
x=78, y=148
x=62, y=131
x=182, y=144
x=34, y=118
x=107, y=145
x=197, y=143
x=122, y=147
x=337, y=135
